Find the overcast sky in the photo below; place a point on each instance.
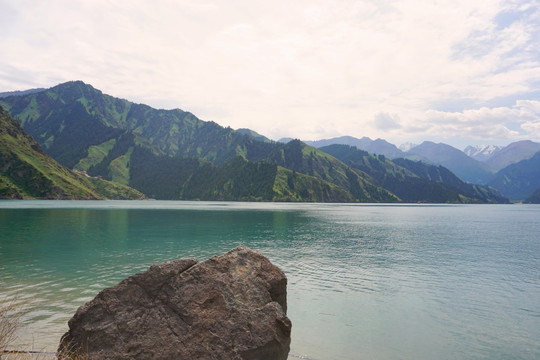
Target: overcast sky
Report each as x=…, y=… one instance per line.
x=460, y=71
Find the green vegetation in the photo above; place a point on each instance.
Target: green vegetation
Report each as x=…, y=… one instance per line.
x=163, y=152
x=171, y=154
x=468, y=193
x=27, y=172
x=119, y=168
x=520, y=180
x=292, y=186
x=238, y=179
x=10, y=321
x=163, y=177
x=96, y=154
x=254, y=135
x=414, y=181
x=297, y=156
x=119, y=154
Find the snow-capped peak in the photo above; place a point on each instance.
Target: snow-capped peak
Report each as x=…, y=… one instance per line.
x=481, y=152
x=407, y=146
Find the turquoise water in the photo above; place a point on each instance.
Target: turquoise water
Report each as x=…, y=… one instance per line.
x=365, y=281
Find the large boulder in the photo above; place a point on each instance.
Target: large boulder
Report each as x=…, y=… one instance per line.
x=231, y=306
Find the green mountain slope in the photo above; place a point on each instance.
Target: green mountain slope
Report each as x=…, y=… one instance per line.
x=298, y=156
x=164, y=177
x=513, y=153
x=441, y=175
x=69, y=118
x=534, y=198
x=518, y=181
x=414, y=181
x=87, y=130
x=253, y=134
x=27, y=172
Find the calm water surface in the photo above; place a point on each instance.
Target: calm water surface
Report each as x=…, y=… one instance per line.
x=365, y=281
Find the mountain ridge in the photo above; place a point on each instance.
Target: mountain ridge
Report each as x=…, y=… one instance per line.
x=91, y=131
x=377, y=146
x=518, y=181
x=414, y=181
x=513, y=153
x=482, y=152
x=465, y=167
x=26, y=172
x=87, y=130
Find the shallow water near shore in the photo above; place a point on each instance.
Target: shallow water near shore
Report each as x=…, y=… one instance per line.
x=365, y=281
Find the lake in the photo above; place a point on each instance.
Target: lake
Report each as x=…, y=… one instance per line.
x=365, y=281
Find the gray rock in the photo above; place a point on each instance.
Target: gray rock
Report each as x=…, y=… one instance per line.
x=231, y=306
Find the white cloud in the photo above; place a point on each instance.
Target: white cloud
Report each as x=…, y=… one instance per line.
x=530, y=106
x=385, y=121
x=308, y=69
x=521, y=121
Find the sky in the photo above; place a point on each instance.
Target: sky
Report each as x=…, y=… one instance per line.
x=461, y=72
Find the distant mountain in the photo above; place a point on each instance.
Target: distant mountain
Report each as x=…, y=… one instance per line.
x=172, y=154
x=20, y=93
x=161, y=152
x=534, y=198
x=285, y=140
x=440, y=174
x=162, y=177
x=299, y=157
x=27, y=172
x=342, y=140
x=482, y=152
x=518, y=181
x=513, y=153
x=455, y=160
x=378, y=146
x=254, y=135
x=414, y=181
x=406, y=146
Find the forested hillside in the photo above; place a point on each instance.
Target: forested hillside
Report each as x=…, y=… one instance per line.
x=27, y=172
x=87, y=130
x=414, y=181
x=171, y=154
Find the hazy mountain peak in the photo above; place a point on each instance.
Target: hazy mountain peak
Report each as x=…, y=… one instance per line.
x=407, y=146
x=20, y=93
x=482, y=152
x=513, y=153
x=378, y=146
x=519, y=180
x=457, y=161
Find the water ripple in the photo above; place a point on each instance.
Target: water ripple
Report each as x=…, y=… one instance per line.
x=386, y=282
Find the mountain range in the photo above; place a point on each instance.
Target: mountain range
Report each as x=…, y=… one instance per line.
x=534, y=198
x=512, y=154
x=520, y=180
x=378, y=146
x=481, y=152
x=414, y=181
x=27, y=172
x=457, y=161
x=483, y=165
x=172, y=154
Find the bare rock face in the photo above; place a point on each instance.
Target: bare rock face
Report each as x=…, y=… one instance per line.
x=231, y=306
